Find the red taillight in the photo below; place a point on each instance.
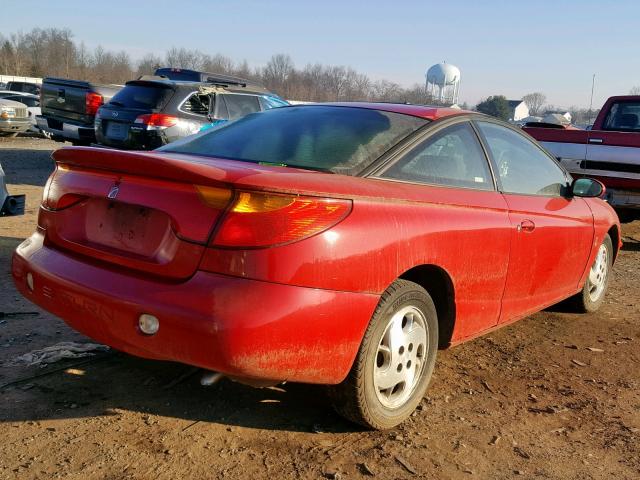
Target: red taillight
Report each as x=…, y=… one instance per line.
x=93, y=101
x=157, y=120
x=258, y=219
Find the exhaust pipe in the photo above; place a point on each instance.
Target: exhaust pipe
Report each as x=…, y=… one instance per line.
x=210, y=378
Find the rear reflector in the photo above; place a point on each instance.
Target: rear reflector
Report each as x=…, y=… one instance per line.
x=265, y=219
x=157, y=120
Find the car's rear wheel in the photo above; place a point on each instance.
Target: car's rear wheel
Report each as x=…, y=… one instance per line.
x=395, y=361
x=591, y=297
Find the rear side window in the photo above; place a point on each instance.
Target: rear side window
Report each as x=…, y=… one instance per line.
x=452, y=157
x=144, y=97
x=241, y=105
x=623, y=116
x=197, y=104
x=338, y=139
x=523, y=168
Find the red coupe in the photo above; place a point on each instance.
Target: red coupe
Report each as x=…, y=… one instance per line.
x=340, y=244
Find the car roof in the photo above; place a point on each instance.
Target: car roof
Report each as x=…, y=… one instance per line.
x=430, y=112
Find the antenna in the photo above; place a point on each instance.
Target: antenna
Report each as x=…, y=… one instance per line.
x=593, y=82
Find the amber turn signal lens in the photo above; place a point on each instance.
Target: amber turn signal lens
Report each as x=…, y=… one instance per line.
x=261, y=219
x=214, y=197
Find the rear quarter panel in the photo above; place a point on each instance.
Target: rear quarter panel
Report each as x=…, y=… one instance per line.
x=605, y=220
x=464, y=232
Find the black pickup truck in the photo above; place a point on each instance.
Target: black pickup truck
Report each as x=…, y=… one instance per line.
x=69, y=108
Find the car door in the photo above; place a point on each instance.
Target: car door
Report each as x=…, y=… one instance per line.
x=466, y=217
x=551, y=233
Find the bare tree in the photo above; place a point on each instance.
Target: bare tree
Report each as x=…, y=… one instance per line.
x=148, y=64
x=535, y=101
x=53, y=52
x=277, y=72
x=634, y=91
x=183, y=58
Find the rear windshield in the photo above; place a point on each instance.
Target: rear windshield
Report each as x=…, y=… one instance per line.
x=147, y=97
x=338, y=139
x=623, y=116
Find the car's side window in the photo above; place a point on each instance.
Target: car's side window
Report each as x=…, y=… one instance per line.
x=452, y=157
x=197, y=104
x=220, y=111
x=241, y=105
x=522, y=167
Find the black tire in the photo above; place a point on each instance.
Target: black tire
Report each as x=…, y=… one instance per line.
x=584, y=301
x=357, y=398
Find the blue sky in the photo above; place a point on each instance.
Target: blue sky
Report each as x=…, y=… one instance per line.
x=501, y=47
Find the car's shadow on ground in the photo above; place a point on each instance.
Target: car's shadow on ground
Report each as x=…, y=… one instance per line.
x=631, y=245
x=104, y=386
x=26, y=166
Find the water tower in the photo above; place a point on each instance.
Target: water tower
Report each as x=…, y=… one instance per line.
x=443, y=83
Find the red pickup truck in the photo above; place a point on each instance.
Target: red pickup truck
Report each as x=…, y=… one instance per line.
x=609, y=152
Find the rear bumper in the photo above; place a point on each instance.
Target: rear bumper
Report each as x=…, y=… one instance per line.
x=137, y=139
x=14, y=125
x=66, y=130
x=239, y=327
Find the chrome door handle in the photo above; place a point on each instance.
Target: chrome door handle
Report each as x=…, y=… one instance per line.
x=526, y=226
x=596, y=140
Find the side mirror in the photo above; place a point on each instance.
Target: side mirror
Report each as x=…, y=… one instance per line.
x=587, y=187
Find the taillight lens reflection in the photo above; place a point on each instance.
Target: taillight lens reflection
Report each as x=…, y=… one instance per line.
x=157, y=120
x=265, y=219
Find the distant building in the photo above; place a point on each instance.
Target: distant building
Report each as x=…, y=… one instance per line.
x=518, y=110
x=561, y=118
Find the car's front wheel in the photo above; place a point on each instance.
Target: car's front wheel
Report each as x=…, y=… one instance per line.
x=394, y=363
x=595, y=287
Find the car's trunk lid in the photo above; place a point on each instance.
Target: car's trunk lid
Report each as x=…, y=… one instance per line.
x=136, y=213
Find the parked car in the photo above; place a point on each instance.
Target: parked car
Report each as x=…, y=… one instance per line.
x=14, y=118
x=69, y=108
x=9, y=204
x=338, y=244
x=24, y=87
x=152, y=112
x=609, y=151
x=32, y=103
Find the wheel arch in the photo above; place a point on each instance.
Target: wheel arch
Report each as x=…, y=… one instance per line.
x=438, y=283
x=614, y=233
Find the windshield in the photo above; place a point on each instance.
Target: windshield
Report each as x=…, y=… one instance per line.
x=338, y=139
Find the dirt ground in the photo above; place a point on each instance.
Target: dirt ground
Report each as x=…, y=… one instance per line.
x=553, y=396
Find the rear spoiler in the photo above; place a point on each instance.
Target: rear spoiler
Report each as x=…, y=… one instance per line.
x=147, y=164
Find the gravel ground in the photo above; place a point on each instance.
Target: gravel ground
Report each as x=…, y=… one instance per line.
x=553, y=396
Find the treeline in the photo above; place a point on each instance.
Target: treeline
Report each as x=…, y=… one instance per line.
x=54, y=52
